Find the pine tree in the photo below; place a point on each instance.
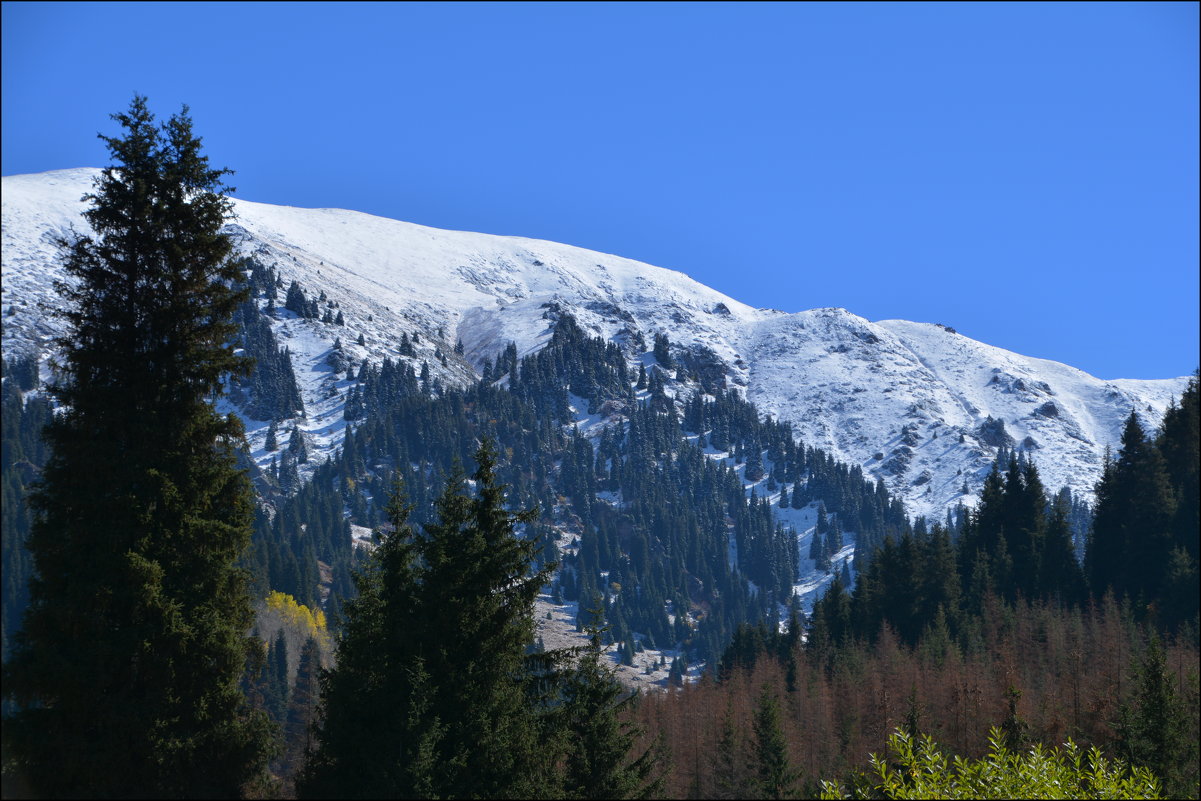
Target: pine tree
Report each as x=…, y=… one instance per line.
x=432, y=671
x=1061, y=574
x=776, y=776
x=818, y=546
x=833, y=536
x=798, y=496
x=675, y=674
x=662, y=351
x=1154, y=732
x=1180, y=443
x=302, y=703
x=375, y=739
x=599, y=741
x=277, y=677
x=478, y=596
x=297, y=447
x=1025, y=526
x=295, y=301
x=126, y=675
x=754, y=463
x=729, y=771
x=288, y=474
x=1131, y=544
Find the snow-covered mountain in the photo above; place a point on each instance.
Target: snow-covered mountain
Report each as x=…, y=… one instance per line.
x=916, y=404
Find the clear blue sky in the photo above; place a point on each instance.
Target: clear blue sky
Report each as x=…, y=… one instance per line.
x=1026, y=173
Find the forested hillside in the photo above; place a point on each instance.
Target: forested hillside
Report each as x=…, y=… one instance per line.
x=650, y=523
x=347, y=608
x=656, y=527
x=990, y=622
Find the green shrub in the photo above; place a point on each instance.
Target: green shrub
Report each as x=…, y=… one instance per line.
x=919, y=769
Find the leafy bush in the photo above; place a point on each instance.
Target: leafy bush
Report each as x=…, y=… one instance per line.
x=919, y=769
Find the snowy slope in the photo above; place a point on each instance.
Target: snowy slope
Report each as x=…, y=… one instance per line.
x=909, y=402
x=912, y=402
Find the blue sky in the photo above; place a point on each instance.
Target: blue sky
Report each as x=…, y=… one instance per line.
x=1026, y=173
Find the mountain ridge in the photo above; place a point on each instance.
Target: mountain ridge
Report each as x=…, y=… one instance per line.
x=914, y=404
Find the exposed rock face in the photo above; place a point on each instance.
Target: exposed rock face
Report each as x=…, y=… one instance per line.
x=992, y=433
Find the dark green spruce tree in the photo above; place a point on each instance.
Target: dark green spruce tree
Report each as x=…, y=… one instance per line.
x=433, y=693
x=377, y=737
x=1153, y=731
x=598, y=740
x=1131, y=542
x=1180, y=444
x=126, y=675
x=298, y=726
x=477, y=599
x=777, y=777
x=731, y=772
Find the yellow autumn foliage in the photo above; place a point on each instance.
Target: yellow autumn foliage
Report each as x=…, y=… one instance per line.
x=297, y=614
x=280, y=610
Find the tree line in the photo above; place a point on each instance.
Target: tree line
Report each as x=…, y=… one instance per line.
x=1016, y=544
x=1039, y=673
x=990, y=621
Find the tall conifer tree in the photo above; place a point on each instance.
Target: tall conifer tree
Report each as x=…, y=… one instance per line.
x=731, y=772
x=433, y=692
x=126, y=675
x=1131, y=540
x=597, y=763
x=478, y=597
x=376, y=737
x=298, y=726
x=777, y=777
x=1153, y=732
x=1180, y=443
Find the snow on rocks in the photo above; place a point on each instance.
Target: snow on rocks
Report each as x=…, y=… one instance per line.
x=911, y=403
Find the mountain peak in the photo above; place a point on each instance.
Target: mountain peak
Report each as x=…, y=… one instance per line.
x=906, y=401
